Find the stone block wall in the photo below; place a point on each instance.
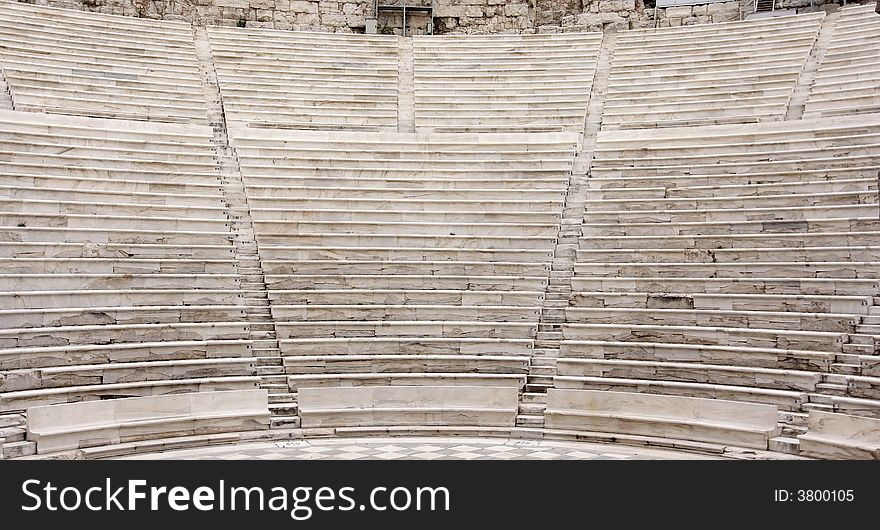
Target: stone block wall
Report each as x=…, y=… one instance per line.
x=301, y=15
x=606, y=15
x=483, y=16
x=450, y=16
x=699, y=14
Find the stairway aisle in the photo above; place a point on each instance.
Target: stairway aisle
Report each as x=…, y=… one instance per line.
x=5, y=95
x=270, y=365
x=798, y=101
x=542, y=368
x=406, y=113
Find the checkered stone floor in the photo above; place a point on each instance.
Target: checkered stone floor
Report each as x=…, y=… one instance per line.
x=420, y=449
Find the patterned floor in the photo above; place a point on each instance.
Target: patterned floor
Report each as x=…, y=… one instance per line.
x=420, y=449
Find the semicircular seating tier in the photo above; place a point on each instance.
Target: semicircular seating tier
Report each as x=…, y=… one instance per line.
x=89, y=64
x=118, y=276
x=848, y=78
x=732, y=72
x=732, y=263
x=397, y=260
x=299, y=80
x=503, y=83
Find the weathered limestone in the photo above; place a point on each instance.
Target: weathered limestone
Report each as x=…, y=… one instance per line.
x=396, y=259
x=737, y=72
x=118, y=273
x=59, y=61
x=840, y=437
x=516, y=83
x=306, y=80
x=450, y=16
x=848, y=79
x=408, y=405
x=734, y=262
x=707, y=420
x=117, y=421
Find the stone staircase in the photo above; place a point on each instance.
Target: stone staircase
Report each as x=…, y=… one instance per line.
x=270, y=365
x=5, y=95
x=798, y=101
x=864, y=342
x=763, y=6
x=13, y=430
x=406, y=113
x=542, y=367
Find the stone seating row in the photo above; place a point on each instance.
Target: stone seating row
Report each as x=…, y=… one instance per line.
x=56, y=61
x=846, y=80
x=507, y=83
x=400, y=285
x=740, y=72
x=726, y=287
x=803, y=303
x=676, y=417
x=706, y=269
x=395, y=405
x=304, y=81
x=840, y=437
x=120, y=421
x=115, y=298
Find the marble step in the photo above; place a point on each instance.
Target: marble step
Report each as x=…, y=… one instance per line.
x=19, y=449
x=534, y=398
x=784, y=444
x=281, y=398
x=532, y=409
x=12, y=434
x=288, y=408
x=846, y=369
x=284, y=422
x=539, y=388
x=528, y=420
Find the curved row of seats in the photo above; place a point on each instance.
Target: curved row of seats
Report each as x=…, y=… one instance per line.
x=405, y=260
x=69, y=62
x=118, y=275
x=848, y=78
x=503, y=82
x=298, y=80
x=732, y=262
x=732, y=72
x=89, y=64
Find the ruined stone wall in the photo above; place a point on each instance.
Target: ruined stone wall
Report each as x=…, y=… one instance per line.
x=450, y=16
x=302, y=15
x=483, y=16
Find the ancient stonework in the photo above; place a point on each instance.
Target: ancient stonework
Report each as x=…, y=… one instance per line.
x=450, y=16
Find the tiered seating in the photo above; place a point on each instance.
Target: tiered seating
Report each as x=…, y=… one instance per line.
x=848, y=79
x=396, y=406
x=118, y=276
x=504, y=82
x=89, y=64
x=132, y=421
x=300, y=80
x=736, y=72
x=653, y=416
x=731, y=262
x=405, y=260
x=841, y=437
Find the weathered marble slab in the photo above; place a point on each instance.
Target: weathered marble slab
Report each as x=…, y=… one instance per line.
x=76, y=425
x=840, y=437
x=708, y=420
